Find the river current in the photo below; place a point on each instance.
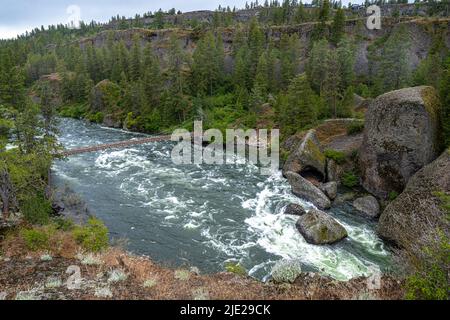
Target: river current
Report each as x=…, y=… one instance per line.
x=204, y=215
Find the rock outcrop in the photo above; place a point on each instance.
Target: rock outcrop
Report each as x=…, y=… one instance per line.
x=417, y=213
x=367, y=206
x=317, y=227
x=295, y=210
x=306, y=190
x=307, y=157
x=401, y=136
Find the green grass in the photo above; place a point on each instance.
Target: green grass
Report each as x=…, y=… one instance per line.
x=355, y=127
x=350, y=179
x=338, y=156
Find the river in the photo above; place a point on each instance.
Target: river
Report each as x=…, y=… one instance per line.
x=204, y=215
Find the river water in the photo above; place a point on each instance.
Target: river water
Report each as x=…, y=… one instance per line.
x=204, y=215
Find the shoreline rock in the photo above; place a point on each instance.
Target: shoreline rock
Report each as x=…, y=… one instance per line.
x=401, y=136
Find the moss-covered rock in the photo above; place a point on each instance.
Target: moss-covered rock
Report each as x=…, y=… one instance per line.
x=307, y=154
x=414, y=216
x=317, y=227
x=401, y=136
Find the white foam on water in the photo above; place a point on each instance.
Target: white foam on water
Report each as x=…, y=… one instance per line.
x=278, y=235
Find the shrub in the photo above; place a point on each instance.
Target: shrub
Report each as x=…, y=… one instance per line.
x=92, y=237
x=355, y=127
x=392, y=195
x=235, y=268
x=63, y=224
x=430, y=279
x=36, y=210
x=96, y=117
x=337, y=156
x=36, y=239
x=286, y=271
x=350, y=179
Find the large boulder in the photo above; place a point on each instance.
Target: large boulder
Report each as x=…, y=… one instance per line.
x=304, y=189
x=317, y=227
x=415, y=215
x=401, y=136
x=367, y=206
x=307, y=157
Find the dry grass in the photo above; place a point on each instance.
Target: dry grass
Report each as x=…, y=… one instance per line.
x=24, y=271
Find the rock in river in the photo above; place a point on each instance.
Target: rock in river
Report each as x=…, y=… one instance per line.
x=317, y=227
x=306, y=190
x=295, y=209
x=368, y=206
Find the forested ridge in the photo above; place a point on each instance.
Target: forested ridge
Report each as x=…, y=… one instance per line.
x=291, y=66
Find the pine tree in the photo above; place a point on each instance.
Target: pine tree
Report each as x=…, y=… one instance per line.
x=332, y=83
x=393, y=70
x=256, y=47
x=136, y=59
x=315, y=69
x=300, y=14
x=321, y=28
x=176, y=62
x=241, y=68
x=337, y=28
x=152, y=78
x=289, y=58
x=346, y=59
x=206, y=66
x=261, y=83
x=299, y=108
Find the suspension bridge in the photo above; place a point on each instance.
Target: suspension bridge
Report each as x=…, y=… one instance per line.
x=114, y=145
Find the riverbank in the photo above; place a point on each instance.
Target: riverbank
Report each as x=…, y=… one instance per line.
x=116, y=274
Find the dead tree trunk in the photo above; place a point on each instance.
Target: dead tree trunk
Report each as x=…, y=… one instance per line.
x=6, y=192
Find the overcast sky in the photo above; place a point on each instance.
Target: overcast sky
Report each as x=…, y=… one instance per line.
x=18, y=16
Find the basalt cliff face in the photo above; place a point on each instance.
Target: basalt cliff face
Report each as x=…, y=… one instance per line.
x=420, y=34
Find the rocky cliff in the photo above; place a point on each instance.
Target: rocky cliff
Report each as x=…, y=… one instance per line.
x=420, y=33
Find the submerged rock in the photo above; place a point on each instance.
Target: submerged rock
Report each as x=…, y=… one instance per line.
x=307, y=156
x=415, y=215
x=306, y=190
x=401, y=136
x=317, y=227
x=368, y=206
x=295, y=209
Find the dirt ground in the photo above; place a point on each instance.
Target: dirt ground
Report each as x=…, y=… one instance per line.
x=116, y=274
